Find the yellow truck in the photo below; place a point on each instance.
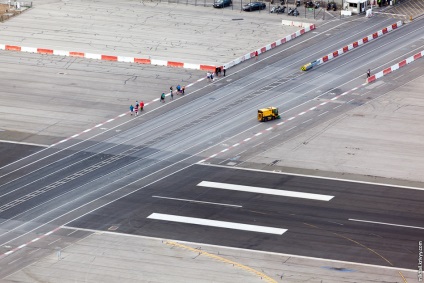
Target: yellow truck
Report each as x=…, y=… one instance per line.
x=269, y=113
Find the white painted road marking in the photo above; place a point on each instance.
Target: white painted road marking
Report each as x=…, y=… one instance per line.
x=198, y=201
x=216, y=223
x=267, y=191
x=383, y=223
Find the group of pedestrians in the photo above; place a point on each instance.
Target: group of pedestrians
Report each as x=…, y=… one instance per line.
x=136, y=108
x=218, y=70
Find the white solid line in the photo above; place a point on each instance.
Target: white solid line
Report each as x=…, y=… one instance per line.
x=72, y=232
x=8, y=253
x=323, y=103
x=350, y=101
x=279, y=124
x=383, y=223
x=224, y=150
x=334, y=98
x=98, y=125
x=344, y=93
x=48, y=233
x=62, y=141
x=54, y=242
x=213, y=155
x=76, y=135
x=323, y=113
x=248, y=139
x=318, y=177
x=337, y=106
x=86, y=131
x=110, y=120
x=300, y=114
x=291, y=118
x=189, y=200
x=270, y=128
x=24, y=143
x=12, y=262
x=123, y=114
x=258, y=134
x=236, y=144
x=259, y=190
x=216, y=223
x=34, y=251
x=201, y=161
x=35, y=240
x=312, y=108
x=237, y=249
x=307, y=121
x=21, y=246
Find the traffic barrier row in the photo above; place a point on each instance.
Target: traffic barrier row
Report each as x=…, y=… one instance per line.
x=352, y=45
x=395, y=67
x=104, y=57
x=269, y=46
x=150, y=61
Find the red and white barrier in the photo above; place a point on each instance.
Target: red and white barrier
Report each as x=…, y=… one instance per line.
x=269, y=46
x=395, y=67
x=150, y=61
x=358, y=43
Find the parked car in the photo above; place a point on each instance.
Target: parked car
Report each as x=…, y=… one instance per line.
x=254, y=6
x=222, y=3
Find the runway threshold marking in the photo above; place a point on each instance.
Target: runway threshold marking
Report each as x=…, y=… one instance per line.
x=383, y=223
x=216, y=223
x=260, y=190
x=198, y=201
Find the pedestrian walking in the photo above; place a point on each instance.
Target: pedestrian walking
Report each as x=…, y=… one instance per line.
x=171, y=89
x=131, y=109
x=172, y=95
x=183, y=90
x=368, y=73
x=211, y=77
x=162, y=97
x=136, y=109
x=141, y=105
x=208, y=76
x=256, y=55
x=224, y=70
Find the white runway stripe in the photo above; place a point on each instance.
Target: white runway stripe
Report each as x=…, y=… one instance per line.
x=259, y=190
x=389, y=224
x=216, y=223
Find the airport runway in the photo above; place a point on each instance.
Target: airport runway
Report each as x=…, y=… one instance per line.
x=129, y=169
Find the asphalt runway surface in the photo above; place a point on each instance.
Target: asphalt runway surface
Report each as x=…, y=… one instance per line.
x=314, y=227
x=104, y=175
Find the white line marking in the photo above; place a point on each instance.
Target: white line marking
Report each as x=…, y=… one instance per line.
x=224, y=150
x=291, y=128
x=213, y=155
x=317, y=177
x=62, y=141
x=279, y=124
x=236, y=144
x=337, y=106
x=8, y=253
x=300, y=114
x=72, y=232
x=390, y=224
x=334, y=98
x=270, y=128
x=258, y=134
x=35, y=240
x=323, y=103
x=48, y=233
x=86, y=131
x=259, y=190
x=24, y=143
x=323, y=113
x=123, y=114
x=110, y=120
x=12, y=262
x=216, y=223
x=21, y=246
x=239, y=249
x=291, y=118
x=350, y=101
x=201, y=161
x=54, y=241
x=312, y=108
x=248, y=139
x=98, y=125
x=307, y=121
x=76, y=135
x=207, y=202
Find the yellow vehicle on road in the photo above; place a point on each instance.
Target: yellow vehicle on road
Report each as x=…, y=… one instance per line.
x=266, y=114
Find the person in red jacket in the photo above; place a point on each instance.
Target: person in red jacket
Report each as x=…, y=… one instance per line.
x=141, y=105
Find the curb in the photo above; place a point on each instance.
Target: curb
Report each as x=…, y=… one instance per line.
x=149, y=61
x=351, y=46
x=395, y=67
